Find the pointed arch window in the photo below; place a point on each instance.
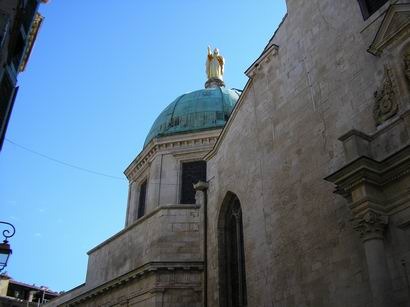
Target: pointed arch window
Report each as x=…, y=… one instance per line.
x=231, y=254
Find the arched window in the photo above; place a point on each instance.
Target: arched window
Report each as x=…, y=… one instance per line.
x=231, y=254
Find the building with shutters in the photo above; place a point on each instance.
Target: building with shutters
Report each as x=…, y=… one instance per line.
x=19, y=26
x=303, y=192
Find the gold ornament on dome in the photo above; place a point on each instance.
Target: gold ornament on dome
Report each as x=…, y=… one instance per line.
x=214, y=64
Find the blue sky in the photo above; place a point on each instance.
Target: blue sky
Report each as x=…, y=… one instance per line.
x=99, y=74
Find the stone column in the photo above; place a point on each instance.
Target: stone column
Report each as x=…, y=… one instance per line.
x=371, y=228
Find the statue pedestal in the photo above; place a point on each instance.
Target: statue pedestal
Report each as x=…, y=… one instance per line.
x=214, y=82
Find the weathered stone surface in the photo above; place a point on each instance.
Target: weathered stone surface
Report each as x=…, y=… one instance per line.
x=282, y=140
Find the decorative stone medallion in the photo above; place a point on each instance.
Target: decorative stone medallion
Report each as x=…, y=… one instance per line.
x=385, y=99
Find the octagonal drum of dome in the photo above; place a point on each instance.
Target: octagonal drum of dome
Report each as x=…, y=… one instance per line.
x=196, y=111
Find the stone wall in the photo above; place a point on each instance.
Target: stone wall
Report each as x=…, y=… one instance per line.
x=144, y=264
x=282, y=141
x=170, y=233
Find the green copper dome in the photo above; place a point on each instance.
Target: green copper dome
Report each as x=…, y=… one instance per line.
x=205, y=109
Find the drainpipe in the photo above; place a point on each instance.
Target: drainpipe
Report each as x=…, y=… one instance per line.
x=203, y=187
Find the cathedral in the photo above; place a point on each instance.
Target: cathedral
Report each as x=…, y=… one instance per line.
x=294, y=191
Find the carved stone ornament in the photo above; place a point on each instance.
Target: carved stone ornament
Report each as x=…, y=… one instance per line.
x=371, y=226
x=407, y=65
x=385, y=99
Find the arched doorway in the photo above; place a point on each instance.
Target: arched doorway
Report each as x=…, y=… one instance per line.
x=232, y=276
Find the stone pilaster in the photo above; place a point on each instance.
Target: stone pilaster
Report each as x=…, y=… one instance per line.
x=371, y=228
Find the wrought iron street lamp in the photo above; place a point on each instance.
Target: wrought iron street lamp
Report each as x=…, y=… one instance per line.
x=5, y=250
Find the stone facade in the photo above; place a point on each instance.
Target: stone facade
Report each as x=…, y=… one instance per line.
x=307, y=112
x=315, y=158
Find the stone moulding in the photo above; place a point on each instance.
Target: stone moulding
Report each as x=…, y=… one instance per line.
x=395, y=24
x=263, y=59
x=207, y=139
x=138, y=273
x=357, y=144
x=32, y=36
x=367, y=172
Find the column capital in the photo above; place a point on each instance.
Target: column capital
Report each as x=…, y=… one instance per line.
x=371, y=226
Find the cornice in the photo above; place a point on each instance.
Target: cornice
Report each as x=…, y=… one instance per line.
x=365, y=169
x=31, y=38
x=263, y=59
x=141, y=272
x=199, y=141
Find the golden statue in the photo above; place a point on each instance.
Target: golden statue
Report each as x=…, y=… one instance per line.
x=214, y=65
